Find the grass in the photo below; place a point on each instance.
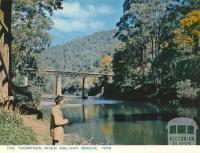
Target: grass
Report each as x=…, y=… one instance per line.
x=74, y=139
x=13, y=131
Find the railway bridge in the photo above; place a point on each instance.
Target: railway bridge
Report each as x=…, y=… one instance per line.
x=59, y=74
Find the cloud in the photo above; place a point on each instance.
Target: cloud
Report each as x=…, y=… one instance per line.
x=96, y=24
x=72, y=10
x=100, y=10
x=77, y=18
x=105, y=10
x=77, y=25
x=68, y=25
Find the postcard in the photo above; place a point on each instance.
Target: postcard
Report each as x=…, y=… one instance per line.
x=99, y=75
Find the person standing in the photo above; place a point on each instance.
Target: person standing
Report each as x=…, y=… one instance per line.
x=57, y=122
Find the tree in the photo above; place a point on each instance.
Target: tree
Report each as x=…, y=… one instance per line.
x=190, y=26
x=191, y=22
x=30, y=31
x=158, y=44
x=30, y=28
x=140, y=30
x=105, y=64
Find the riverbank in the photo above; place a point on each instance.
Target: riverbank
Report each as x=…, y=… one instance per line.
x=149, y=93
x=39, y=127
x=41, y=130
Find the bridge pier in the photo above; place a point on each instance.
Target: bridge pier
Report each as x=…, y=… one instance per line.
x=58, y=85
x=102, y=91
x=25, y=81
x=84, y=89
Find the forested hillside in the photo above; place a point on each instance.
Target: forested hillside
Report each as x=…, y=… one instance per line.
x=82, y=54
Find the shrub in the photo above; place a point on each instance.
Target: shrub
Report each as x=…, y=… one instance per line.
x=13, y=132
x=186, y=90
x=74, y=139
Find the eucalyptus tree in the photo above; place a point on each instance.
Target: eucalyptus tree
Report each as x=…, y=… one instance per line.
x=140, y=30
x=30, y=29
x=179, y=61
x=158, y=43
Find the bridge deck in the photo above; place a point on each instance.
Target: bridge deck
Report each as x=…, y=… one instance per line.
x=71, y=73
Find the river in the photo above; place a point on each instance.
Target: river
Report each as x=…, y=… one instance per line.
x=118, y=122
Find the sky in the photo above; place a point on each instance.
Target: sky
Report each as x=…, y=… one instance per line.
x=84, y=17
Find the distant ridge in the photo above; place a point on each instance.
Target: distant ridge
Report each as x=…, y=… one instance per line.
x=82, y=54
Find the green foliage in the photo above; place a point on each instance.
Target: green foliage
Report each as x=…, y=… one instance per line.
x=186, y=90
x=79, y=55
x=167, y=72
x=83, y=54
x=13, y=132
x=30, y=29
x=30, y=26
x=73, y=88
x=140, y=32
x=149, y=51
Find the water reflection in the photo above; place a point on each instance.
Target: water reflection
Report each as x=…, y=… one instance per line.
x=83, y=113
x=117, y=122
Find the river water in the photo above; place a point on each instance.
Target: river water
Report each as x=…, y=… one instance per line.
x=118, y=122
